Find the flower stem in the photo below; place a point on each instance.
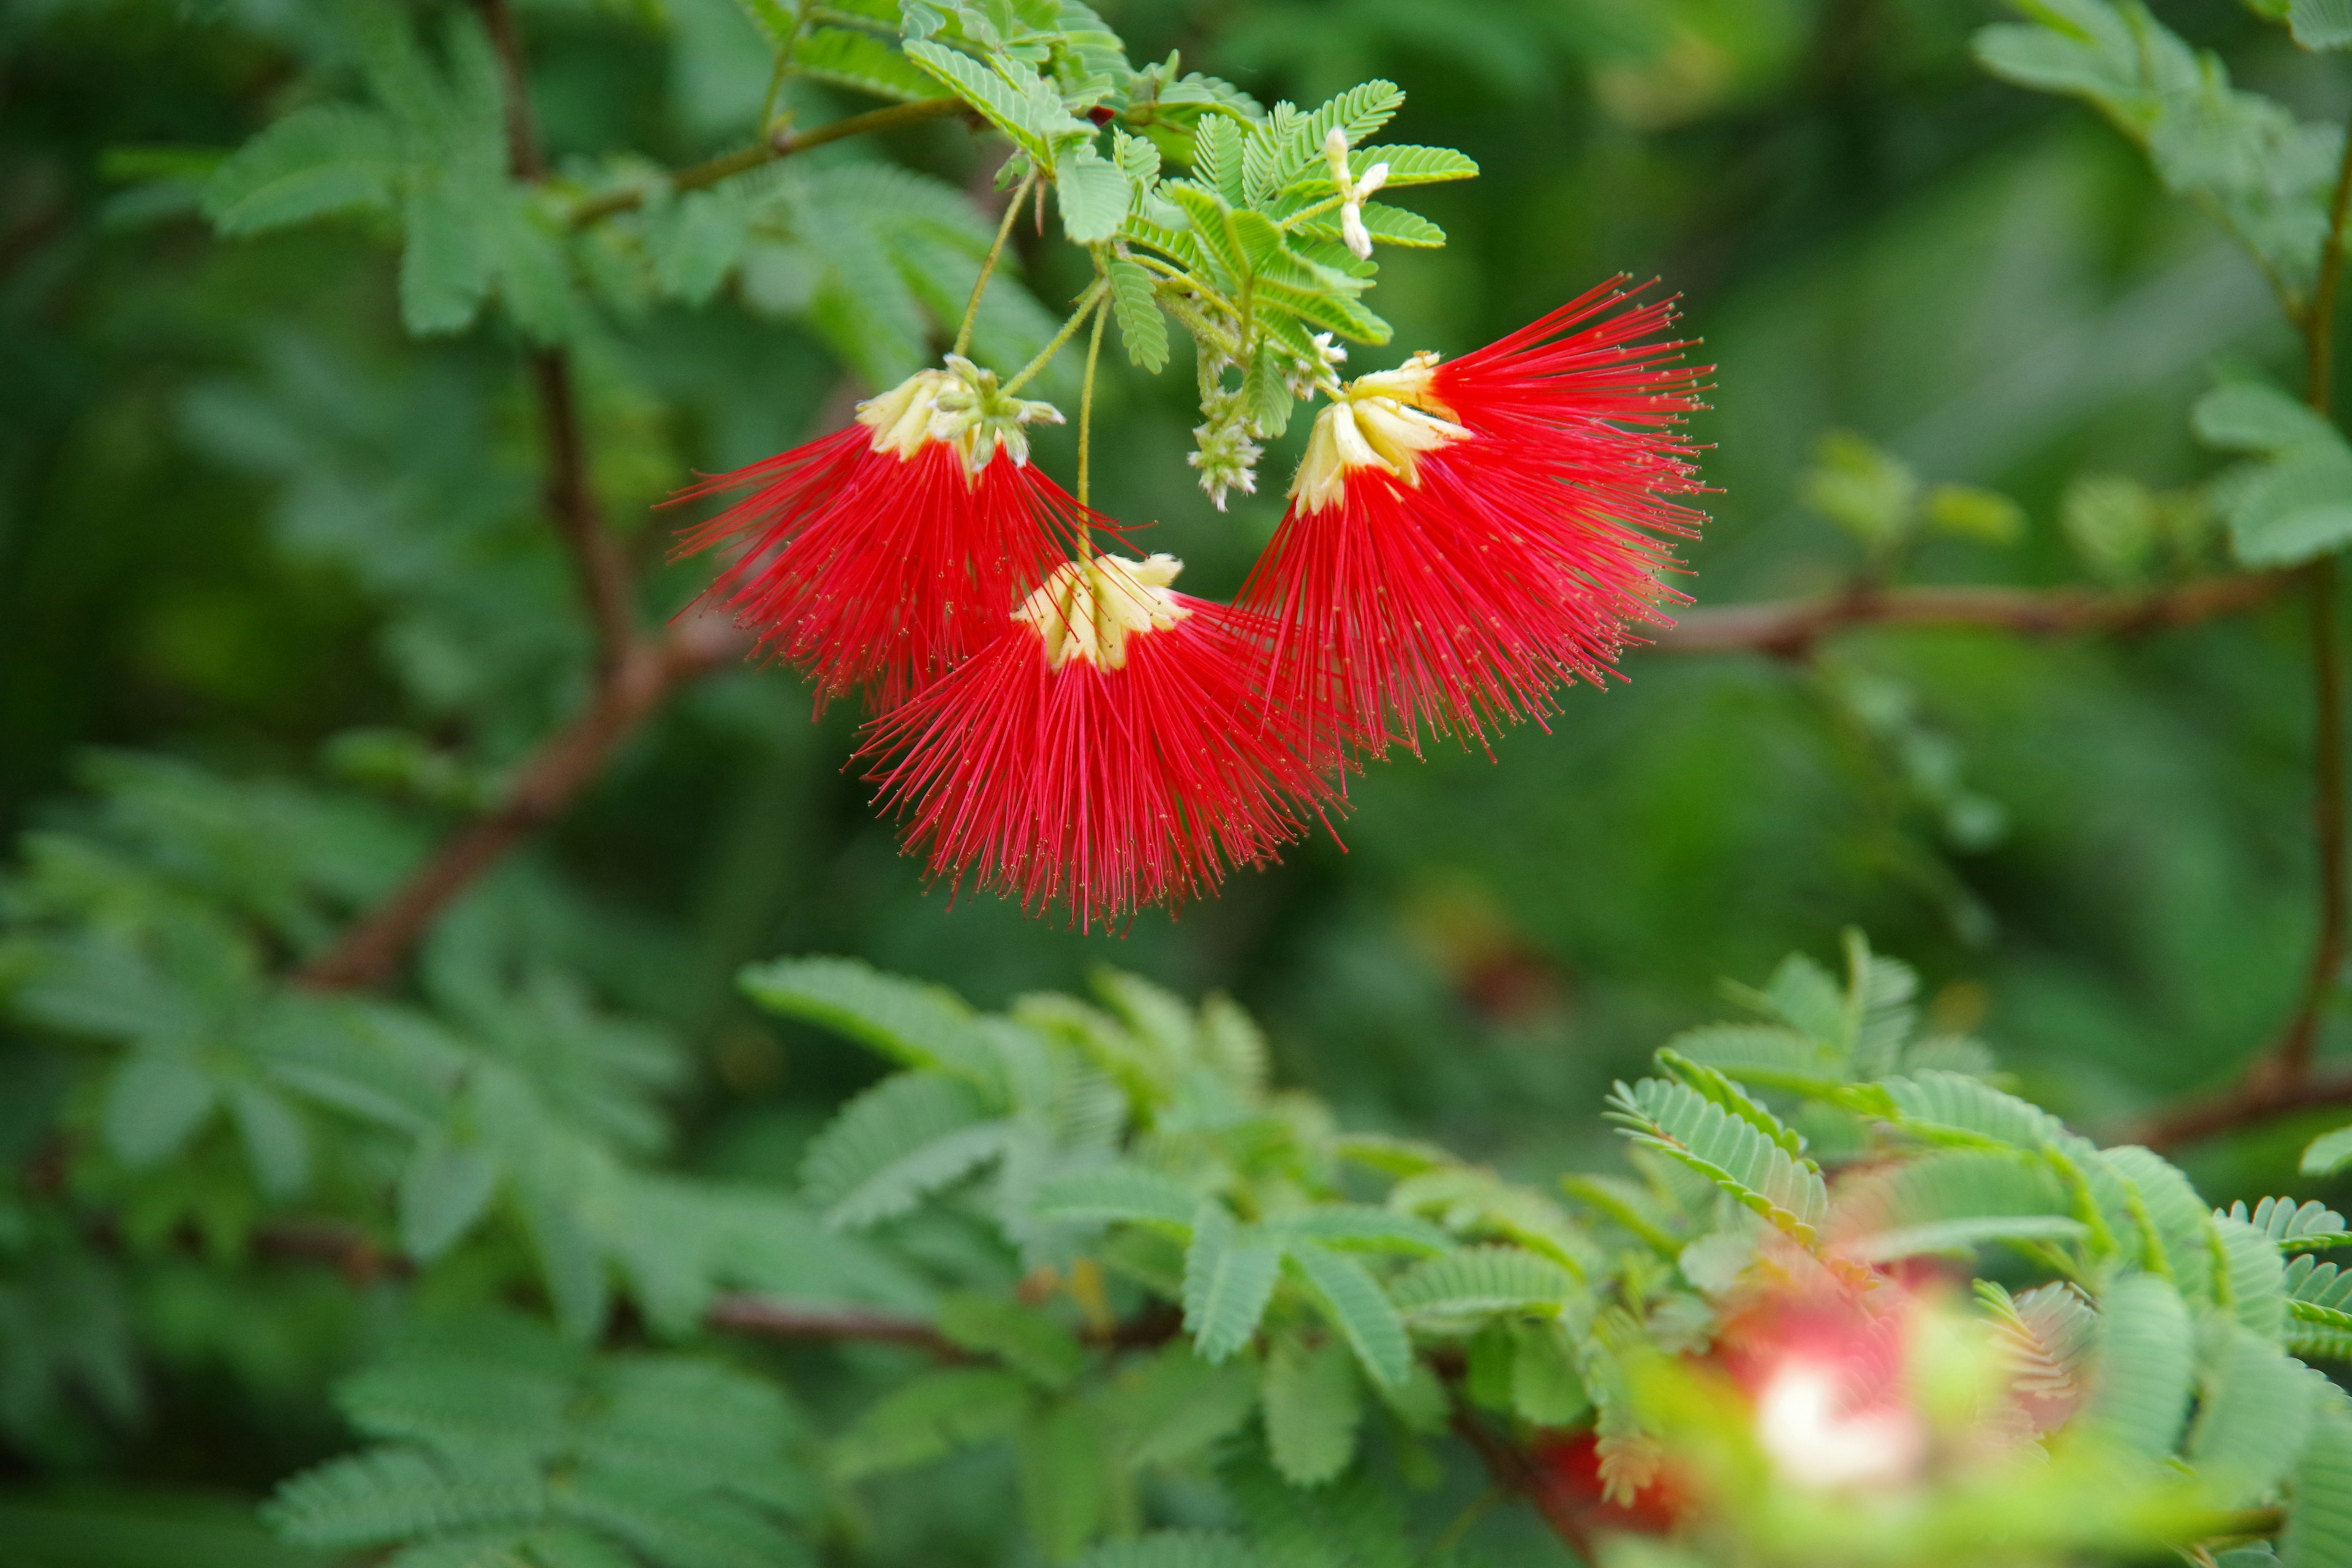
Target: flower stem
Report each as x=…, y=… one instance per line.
x=1087, y=303
x=988, y=268
x=1086, y=405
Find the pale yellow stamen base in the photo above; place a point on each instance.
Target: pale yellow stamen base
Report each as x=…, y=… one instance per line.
x=1092, y=609
x=961, y=406
x=1385, y=420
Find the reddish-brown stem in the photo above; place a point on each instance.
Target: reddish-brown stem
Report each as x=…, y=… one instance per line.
x=571, y=506
x=522, y=136
x=1792, y=626
x=2279, y=1079
x=2257, y=1098
x=370, y=953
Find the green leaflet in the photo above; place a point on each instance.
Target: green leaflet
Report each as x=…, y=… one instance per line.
x=1229, y=1275
x=1141, y=325
x=907, y=1136
x=2268, y=174
x=1361, y=1227
x=2253, y=1411
x=928, y=1416
x=1728, y=1149
x=1954, y=1200
x=2318, y=1293
x=1351, y=1300
x=1768, y=1055
x=1950, y=1108
x=494, y=1425
x=1027, y=1339
x=919, y=1026
x=2288, y=1225
x=154, y=1105
x=1174, y=1549
x=859, y=59
x=2140, y=1387
x=327, y=158
x=1313, y=1408
x=1175, y=1406
x=2173, y=1221
x=388, y=1495
x=1483, y=1281
x=2328, y=1153
x=2318, y=1531
x=2251, y=1281
x=1065, y=1479
x=1106, y=1194
x=1093, y=193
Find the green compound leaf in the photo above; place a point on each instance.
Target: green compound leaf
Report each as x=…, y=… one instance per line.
x=1313, y=1406
x=1951, y=1108
x=2140, y=1386
x=2318, y=1531
x=1484, y=1282
x=859, y=59
x=2289, y=1225
x=1109, y=1194
x=930, y=1416
x=907, y=1136
x=387, y=1495
x=917, y=1025
x=1727, y=1150
x=2328, y=1153
x=1229, y=1276
x=328, y=158
x=1024, y=1338
x=2253, y=1414
x=1141, y=325
x=1352, y=1302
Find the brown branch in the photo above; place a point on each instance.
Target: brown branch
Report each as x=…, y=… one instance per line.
x=781, y=142
x=2280, y=1078
x=371, y=951
x=2256, y=1098
x=571, y=506
x=1789, y=627
x=522, y=137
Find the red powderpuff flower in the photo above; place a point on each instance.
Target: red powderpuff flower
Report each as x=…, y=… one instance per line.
x=1464, y=537
x=880, y=556
x=1105, y=751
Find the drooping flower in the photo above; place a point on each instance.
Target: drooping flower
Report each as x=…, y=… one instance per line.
x=879, y=556
x=1106, y=750
x=1464, y=537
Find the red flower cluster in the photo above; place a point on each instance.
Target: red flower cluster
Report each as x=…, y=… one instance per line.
x=1058, y=724
x=1464, y=538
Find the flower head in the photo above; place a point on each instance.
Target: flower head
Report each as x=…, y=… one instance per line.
x=1106, y=750
x=1465, y=536
x=877, y=557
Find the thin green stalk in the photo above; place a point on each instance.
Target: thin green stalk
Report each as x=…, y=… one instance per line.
x=1094, y=294
x=988, y=268
x=1087, y=406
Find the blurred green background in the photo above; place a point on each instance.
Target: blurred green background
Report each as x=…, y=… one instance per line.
x=245, y=525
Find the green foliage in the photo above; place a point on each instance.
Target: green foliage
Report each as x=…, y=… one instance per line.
x=2266, y=175
x=494, y=1436
x=1126, y=1279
